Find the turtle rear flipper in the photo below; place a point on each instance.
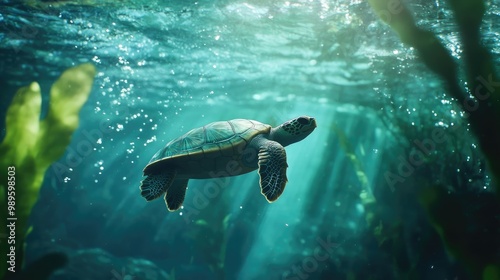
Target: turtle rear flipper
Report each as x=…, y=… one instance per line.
x=175, y=194
x=272, y=170
x=154, y=185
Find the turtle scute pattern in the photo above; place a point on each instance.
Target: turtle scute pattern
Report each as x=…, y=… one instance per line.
x=272, y=172
x=218, y=131
x=294, y=126
x=213, y=133
x=154, y=186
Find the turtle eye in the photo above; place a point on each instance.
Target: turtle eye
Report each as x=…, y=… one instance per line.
x=303, y=121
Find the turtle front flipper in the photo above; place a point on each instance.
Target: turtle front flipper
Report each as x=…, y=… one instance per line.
x=175, y=194
x=272, y=170
x=154, y=185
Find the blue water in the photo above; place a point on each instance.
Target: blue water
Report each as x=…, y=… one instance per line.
x=166, y=67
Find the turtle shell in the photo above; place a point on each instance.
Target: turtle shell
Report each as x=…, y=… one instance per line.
x=207, y=150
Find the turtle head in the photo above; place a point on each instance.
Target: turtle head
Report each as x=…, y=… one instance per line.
x=293, y=130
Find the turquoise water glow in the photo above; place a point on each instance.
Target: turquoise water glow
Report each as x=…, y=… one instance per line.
x=166, y=67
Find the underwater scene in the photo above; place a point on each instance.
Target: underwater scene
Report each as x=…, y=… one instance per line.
x=250, y=139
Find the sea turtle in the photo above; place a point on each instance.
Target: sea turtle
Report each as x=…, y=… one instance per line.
x=223, y=149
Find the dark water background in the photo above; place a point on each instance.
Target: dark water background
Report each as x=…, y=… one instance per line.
x=165, y=67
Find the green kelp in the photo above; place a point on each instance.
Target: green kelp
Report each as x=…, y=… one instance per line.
x=208, y=231
x=388, y=234
x=458, y=226
x=480, y=102
x=30, y=146
x=42, y=268
x=483, y=109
